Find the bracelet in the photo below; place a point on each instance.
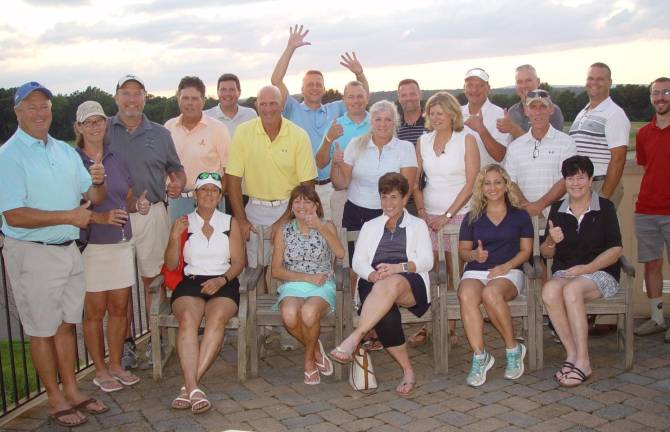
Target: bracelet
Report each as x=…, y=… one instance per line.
x=98, y=184
x=550, y=246
x=225, y=278
x=328, y=140
x=137, y=206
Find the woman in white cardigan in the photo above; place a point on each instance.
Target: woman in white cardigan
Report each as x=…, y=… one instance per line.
x=392, y=258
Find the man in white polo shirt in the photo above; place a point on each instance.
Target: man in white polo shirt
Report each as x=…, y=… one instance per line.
x=534, y=160
x=481, y=115
x=600, y=132
x=228, y=111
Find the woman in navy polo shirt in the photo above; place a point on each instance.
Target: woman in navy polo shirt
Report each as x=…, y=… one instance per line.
x=109, y=264
x=585, y=242
x=496, y=238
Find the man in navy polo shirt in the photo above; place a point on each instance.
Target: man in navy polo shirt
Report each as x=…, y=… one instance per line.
x=42, y=181
x=310, y=114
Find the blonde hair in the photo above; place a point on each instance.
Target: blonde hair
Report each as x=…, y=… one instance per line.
x=478, y=201
x=449, y=105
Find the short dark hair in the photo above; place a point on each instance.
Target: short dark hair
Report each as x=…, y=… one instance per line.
x=659, y=80
x=575, y=164
x=604, y=66
x=229, y=77
x=393, y=181
x=191, y=81
x=409, y=81
x=307, y=192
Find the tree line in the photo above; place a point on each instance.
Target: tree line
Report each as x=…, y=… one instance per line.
x=633, y=98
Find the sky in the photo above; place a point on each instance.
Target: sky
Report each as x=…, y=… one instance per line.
x=68, y=45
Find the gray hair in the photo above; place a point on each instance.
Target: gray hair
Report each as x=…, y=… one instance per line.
x=527, y=67
x=274, y=89
x=387, y=107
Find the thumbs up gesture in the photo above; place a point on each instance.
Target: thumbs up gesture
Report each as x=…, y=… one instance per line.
x=556, y=233
x=81, y=216
x=338, y=154
x=480, y=254
x=505, y=124
x=334, y=132
x=97, y=170
x=175, y=186
x=142, y=204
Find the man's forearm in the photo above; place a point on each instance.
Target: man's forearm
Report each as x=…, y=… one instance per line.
x=361, y=78
x=553, y=194
x=235, y=196
x=613, y=176
x=26, y=217
x=493, y=147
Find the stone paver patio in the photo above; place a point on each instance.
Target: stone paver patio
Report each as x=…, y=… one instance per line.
x=612, y=400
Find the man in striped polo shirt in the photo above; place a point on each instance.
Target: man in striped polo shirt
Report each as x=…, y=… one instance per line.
x=600, y=132
x=412, y=123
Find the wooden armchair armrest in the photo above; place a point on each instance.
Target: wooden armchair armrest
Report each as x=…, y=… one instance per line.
x=156, y=307
x=537, y=267
x=338, y=269
x=627, y=267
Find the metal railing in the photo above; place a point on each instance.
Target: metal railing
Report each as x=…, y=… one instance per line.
x=19, y=382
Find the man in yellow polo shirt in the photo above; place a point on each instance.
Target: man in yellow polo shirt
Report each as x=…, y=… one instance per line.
x=273, y=155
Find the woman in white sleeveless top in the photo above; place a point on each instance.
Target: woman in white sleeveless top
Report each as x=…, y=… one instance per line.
x=449, y=157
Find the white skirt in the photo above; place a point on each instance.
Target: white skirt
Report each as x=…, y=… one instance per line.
x=109, y=266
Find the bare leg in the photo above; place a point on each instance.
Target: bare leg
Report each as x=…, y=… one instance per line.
x=95, y=307
x=310, y=313
x=399, y=354
x=470, y=297
x=117, y=304
x=653, y=278
x=552, y=296
x=189, y=312
x=218, y=311
x=289, y=309
x=495, y=296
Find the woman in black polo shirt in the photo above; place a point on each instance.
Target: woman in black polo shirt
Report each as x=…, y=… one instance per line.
x=585, y=242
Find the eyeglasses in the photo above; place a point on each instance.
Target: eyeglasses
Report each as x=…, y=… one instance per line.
x=205, y=175
x=537, y=94
x=93, y=123
x=664, y=92
x=536, y=150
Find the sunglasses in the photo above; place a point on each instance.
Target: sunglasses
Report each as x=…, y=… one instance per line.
x=206, y=175
x=536, y=150
x=537, y=94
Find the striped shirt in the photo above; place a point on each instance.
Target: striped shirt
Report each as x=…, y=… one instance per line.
x=598, y=130
x=411, y=132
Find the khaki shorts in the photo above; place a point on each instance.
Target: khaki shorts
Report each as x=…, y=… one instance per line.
x=617, y=194
x=151, y=233
x=109, y=266
x=264, y=216
x=325, y=192
x=47, y=283
x=337, y=201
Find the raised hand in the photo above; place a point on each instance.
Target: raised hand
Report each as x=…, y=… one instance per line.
x=81, y=216
x=480, y=254
x=296, y=37
x=174, y=187
x=97, y=170
x=313, y=221
x=476, y=122
x=350, y=61
x=338, y=155
x=180, y=225
x=556, y=233
x=335, y=131
x=143, y=204
x=505, y=124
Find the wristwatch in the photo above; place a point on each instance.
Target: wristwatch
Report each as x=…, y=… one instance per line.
x=405, y=267
x=448, y=215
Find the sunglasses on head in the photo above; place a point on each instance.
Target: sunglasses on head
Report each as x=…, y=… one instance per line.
x=537, y=94
x=206, y=175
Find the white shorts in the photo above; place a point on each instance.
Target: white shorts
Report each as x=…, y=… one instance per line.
x=150, y=237
x=325, y=192
x=261, y=215
x=109, y=266
x=515, y=276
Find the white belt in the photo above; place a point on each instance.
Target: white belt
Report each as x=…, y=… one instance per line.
x=275, y=203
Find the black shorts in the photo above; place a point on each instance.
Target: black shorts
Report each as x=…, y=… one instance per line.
x=353, y=219
x=416, y=284
x=191, y=286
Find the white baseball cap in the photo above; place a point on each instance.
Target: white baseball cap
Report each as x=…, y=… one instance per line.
x=479, y=73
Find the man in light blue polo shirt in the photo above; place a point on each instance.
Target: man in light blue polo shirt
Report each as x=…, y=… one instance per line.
x=355, y=123
x=311, y=114
x=42, y=182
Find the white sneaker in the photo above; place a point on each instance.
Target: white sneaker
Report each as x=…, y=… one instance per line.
x=649, y=327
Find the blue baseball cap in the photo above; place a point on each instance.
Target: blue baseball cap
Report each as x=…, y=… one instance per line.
x=29, y=87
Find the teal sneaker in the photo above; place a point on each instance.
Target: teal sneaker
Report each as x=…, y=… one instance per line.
x=514, y=368
x=481, y=363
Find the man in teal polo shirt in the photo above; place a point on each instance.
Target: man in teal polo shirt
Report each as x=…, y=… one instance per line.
x=42, y=182
x=355, y=123
x=310, y=114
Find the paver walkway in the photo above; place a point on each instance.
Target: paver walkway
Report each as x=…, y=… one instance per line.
x=612, y=400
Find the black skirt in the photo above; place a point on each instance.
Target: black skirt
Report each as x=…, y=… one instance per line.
x=191, y=286
x=416, y=284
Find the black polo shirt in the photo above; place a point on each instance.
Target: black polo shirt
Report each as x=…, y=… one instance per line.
x=411, y=132
x=584, y=241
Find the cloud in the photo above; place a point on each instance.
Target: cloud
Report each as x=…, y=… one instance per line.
x=57, y=3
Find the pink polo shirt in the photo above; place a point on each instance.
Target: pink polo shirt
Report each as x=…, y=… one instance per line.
x=203, y=148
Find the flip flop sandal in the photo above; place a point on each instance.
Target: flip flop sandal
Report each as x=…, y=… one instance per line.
x=325, y=368
x=57, y=418
x=406, y=384
x=341, y=356
x=199, y=405
x=103, y=384
x=83, y=406
x=308, y=377
x=373, y=345
x=127, y=380
x=182, y=401
x=566, y=367
x=579, y=379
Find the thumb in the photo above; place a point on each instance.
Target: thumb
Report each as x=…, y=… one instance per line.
x=86, y=205
x=480, y=246
x=337, y=146
x=98, y=158
x=334, y=122
x=172, y=176
x=551, y=224
x=144, y=195
x=505, y=112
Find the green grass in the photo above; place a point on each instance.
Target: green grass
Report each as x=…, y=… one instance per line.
x=19, y=370
x=634, y=127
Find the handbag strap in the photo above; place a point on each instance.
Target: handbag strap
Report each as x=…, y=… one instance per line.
x=360, y=350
